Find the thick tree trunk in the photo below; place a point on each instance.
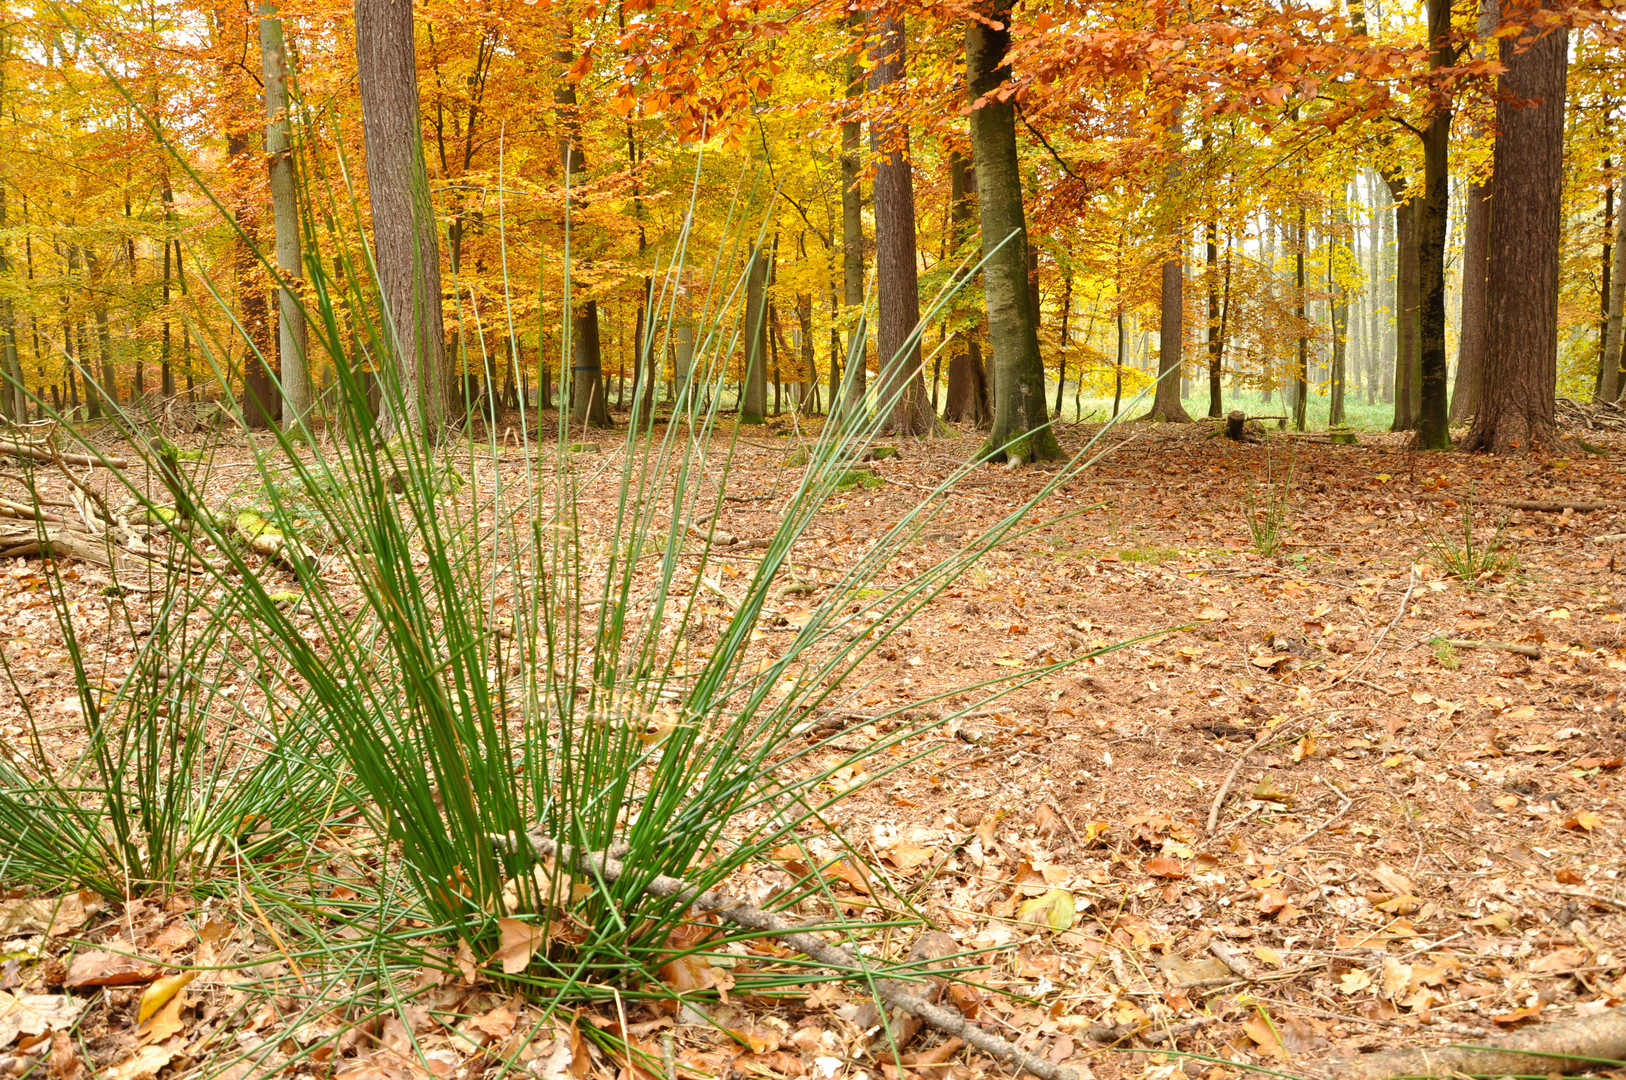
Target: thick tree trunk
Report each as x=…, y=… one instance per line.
x=1521, y=356
x=754, y=336
x=1433, y=388
x=852, y=239
x=295, y=375
x=902, y=385
x=406, y=243
x=1020, y=427
x=1062, y=338
x=967, y=398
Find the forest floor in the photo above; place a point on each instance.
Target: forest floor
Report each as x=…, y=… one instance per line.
x=1417, y=843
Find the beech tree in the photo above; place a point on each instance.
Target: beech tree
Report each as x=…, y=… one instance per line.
x=294, y=376
x=1021, y=430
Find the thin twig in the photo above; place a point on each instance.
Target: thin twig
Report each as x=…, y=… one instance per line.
x=1411, y=585
x=804, y=939
x=1230, y=778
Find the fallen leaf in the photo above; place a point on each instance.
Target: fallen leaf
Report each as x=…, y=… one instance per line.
x=1263, y=1033
x=1355, y=982
x=1054, y=909
x=1583, y=820
x=50, y=917
x=1393, y=880
x=35, y=1014
x=148, y=1061
x=165, y=1022
x=1560, y=960
x=101, y=968
x=157, y=995
x=65, y=1063
x=518, y=943
x=1161, y=866
x=1519, y=1015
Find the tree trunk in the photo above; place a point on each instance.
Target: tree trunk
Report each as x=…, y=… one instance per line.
x=1020, y=425
x=902, y=386
x=406, y=243
x=754, y=380
x=1521, y=355
x=1406, y=374
x=967, y=398
x=1216, y=405
x=1475, y=267
x=852, y=239
x=13, y=393
x=1340, y=317
x=296, y=383
x=588, y=404
x=1433, y=387
x=810, y=366
x=1061, y=338
x=1613, y=381
x=1301, y=369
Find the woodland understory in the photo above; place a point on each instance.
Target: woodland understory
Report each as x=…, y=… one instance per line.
x=1331, y=798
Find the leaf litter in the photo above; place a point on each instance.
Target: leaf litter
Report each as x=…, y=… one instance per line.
x=1420, y=845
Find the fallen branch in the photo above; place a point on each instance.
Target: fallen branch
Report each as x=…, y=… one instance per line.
x=16, y=449
x=1544, y=506
x=805, y=940
x=1579, y=1045
x=56, y=541
x=1499, y=646
x=1608, y=538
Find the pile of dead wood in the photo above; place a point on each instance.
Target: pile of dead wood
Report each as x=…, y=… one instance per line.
x=1595, y=415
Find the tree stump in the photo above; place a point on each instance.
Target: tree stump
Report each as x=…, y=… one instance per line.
x=1236, y=426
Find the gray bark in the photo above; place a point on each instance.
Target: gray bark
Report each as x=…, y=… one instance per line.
x=754, y=381
x=852, y=241
x=1613, y=384
x=1021, y=431
x=295, y=375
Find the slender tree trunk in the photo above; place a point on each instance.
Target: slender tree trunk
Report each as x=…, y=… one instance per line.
x=1166, y=404
x=967, y=398
x=1340, y=315
x=1475, y=268
x=1613, y=381
x=1433, y=387
x=852, y=235
x=406, y=242
x=1061, y=337
x=1216, y=403
x=810, y=365
x=13, y=393
x=1301, y=366
x=1406, y=373
x=902, y=385
x=296, y=383
x=1516, y=407
x=754, y=381
x=1020, y=426
x=588, y=404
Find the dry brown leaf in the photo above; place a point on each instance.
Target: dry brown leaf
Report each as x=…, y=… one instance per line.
x=147, y=1062
x=383, y=1065
x=518, y=944
x=497, y=1024
x=1161, y=866
x=1518, y=1016
x=1560, y=961
x=1394, y=881
x=101, y=968
x=1264, y=1036
x=36, y=1014
x=65, y=1063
